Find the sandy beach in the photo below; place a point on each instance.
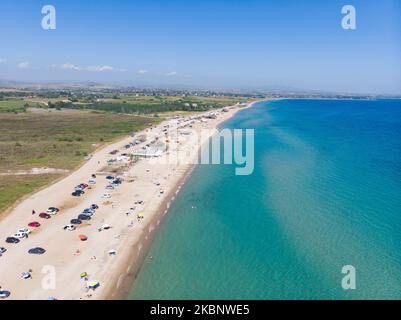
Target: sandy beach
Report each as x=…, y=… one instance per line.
x=133, y=212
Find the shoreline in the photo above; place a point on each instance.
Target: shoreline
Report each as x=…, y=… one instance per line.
x=116, y=274
x=135, y=265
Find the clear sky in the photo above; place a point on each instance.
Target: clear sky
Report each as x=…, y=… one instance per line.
x=297, y=44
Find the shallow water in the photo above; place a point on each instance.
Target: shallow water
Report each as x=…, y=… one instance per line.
x=325, y=192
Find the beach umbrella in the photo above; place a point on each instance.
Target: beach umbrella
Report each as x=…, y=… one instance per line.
x=84, y=274
x=83, y=237
x=140, y=215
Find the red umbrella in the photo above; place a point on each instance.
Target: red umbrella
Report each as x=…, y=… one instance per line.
x=83, y=237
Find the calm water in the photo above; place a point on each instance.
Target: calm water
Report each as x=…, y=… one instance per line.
x=326, y=192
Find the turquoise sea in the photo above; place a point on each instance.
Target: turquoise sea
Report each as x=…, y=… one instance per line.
x=325, y=192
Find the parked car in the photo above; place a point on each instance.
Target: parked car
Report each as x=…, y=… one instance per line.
x=110, y=187
x=84, y=217
x=4, y=294
x=44, y=215
x=34, y=224
x=81, y=186
x=106, y=196
x=69, y=227
x=24, y=230
x=110, y=178
x=2, y=250
x=92, y=182
x=12, y=240
x=117, y=181
x=94, y=206
x=89, y=214
x=36, y=250
x=75, y=221
x=53, y=209
x=88, y=210
x=19, y=235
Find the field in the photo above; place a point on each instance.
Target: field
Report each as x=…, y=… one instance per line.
x=54, y=139
x=16, y=106
x=60, y=135
x=130, y=104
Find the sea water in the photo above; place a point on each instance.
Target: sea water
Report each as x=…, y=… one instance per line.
x=325, y=193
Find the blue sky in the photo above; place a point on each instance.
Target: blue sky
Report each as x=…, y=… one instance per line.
x=214, y=43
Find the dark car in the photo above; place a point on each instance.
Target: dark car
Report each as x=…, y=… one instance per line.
x=117, y=181
x=44, y=215
x=4, y=294
x=109, y=177
x=75, y=221
x=77, y=193
x=84, y=217
x=2, y=250
x=53, y=209
x=12, y=240
x=94, y=206
x=37, y=250
x=94, y=176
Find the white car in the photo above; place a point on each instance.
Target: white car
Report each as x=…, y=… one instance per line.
x=52, y=210
x=24, y=230
x=106, y=196
x=20, y=235
x=69, y=227
x=92, y=182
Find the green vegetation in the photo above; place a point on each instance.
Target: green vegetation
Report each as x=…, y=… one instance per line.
x=56, y=139
x=150, y=104
x=13, y=188
x=58, y=128
x=16, y=106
